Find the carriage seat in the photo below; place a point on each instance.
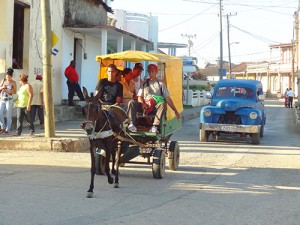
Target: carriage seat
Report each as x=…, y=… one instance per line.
x=144, y=121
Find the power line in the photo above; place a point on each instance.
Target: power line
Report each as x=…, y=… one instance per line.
x=266, y=40
x=185, y=20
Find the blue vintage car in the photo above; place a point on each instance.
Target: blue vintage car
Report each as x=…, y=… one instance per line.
x=237, y=106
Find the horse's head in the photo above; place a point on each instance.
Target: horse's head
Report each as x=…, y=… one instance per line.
x=90, y=111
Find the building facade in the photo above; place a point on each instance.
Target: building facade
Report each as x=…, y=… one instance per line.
x=81, y=30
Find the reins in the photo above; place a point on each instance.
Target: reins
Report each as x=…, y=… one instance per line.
x=107, y=133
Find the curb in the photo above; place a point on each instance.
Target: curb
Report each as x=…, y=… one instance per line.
x=61, y=144
x=39, y=143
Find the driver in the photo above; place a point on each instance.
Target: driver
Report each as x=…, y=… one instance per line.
x=111, y=90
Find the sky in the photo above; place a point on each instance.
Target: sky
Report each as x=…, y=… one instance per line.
x=254, y=25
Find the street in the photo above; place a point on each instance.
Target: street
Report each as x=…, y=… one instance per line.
x=228, y=181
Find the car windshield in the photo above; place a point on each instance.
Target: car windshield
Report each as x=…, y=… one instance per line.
x=234, y=91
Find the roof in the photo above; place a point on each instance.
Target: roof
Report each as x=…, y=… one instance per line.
x=240, y=68
x=212, y=70
x=239, y=82
x=105, y=6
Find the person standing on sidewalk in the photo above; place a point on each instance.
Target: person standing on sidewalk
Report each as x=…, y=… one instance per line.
x=37, y=104
x=23, y=104
x=290, y=94
x=286, y=98
x=72, y=82
x=8, y=87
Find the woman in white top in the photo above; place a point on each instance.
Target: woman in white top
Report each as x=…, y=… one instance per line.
x=128, y=86
x=8, y=87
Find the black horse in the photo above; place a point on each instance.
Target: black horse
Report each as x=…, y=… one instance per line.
x=104, y=124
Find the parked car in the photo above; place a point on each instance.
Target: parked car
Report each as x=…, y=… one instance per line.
x=237, y=106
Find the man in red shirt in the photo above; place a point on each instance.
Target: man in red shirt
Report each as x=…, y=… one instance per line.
x=72, y=82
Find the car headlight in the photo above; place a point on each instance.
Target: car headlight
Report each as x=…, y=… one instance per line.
x=253, y=115
x=207, y=112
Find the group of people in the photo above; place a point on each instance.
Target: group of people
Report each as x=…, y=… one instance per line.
x=116, y=90
x=29, y=102
x=121, y=87
x=289, y=97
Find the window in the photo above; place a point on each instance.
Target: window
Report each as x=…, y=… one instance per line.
x=18, y=36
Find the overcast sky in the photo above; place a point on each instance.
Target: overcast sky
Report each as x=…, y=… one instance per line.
x=254, y=25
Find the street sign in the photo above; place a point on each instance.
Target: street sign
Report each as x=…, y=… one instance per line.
x=223, y=74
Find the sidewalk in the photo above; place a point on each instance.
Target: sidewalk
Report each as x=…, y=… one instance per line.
x=69, y=137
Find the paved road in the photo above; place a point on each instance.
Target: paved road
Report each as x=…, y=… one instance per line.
x=224, y=182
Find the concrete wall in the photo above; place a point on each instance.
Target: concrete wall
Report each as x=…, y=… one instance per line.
x=84, y=12
x=33, y=55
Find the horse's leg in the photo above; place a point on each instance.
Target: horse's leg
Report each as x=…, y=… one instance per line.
x=117, y=165
x=107, y=169
x=113, y=156
x=93, y=170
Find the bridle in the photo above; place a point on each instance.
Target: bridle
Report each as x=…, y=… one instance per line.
x=100, y=134
x=88, y=113
x=108, y=133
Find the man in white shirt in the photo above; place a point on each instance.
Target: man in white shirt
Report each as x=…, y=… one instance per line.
x=37, y=104
x=290, y=94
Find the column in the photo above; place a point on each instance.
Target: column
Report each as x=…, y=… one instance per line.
x=103, y=42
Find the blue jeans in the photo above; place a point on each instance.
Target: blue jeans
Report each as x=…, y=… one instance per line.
x=40, y=111
x=8, y=106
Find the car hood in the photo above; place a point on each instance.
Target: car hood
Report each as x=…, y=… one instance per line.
x=233, y=105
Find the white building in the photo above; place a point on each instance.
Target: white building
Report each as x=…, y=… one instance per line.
x=83, y=32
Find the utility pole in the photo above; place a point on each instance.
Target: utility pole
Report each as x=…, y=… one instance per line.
x=228, y=38
x=47, y=69
x=221, y=43
x=190, y=44
x=296, y=52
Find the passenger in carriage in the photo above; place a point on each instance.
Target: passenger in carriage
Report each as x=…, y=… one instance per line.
x=136, y=75
x=128, y=86
x=111, y=90
x=152, y=87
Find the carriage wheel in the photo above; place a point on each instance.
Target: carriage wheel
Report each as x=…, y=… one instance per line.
x=174, y=155
x=100, y=163
x=159, y=163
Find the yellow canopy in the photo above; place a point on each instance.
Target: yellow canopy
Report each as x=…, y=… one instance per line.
x=130, y=55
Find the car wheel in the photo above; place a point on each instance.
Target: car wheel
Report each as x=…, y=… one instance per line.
x=203, y=135
x=261, y=133
x=255, y=138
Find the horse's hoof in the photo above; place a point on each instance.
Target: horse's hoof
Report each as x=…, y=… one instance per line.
x=110, y=180
x=116, y=185
x=90, y=194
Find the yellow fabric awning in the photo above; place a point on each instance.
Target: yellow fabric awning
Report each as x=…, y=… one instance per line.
x=130, y=55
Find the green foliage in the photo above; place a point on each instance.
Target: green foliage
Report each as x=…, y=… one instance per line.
x=187, y=107
x=195, y=87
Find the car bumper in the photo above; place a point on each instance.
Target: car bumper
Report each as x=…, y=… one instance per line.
x=230, y=128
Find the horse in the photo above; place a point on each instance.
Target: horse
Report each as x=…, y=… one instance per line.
x=103, y=125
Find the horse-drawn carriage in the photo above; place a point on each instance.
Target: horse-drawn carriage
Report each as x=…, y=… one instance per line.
x=152, y=147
